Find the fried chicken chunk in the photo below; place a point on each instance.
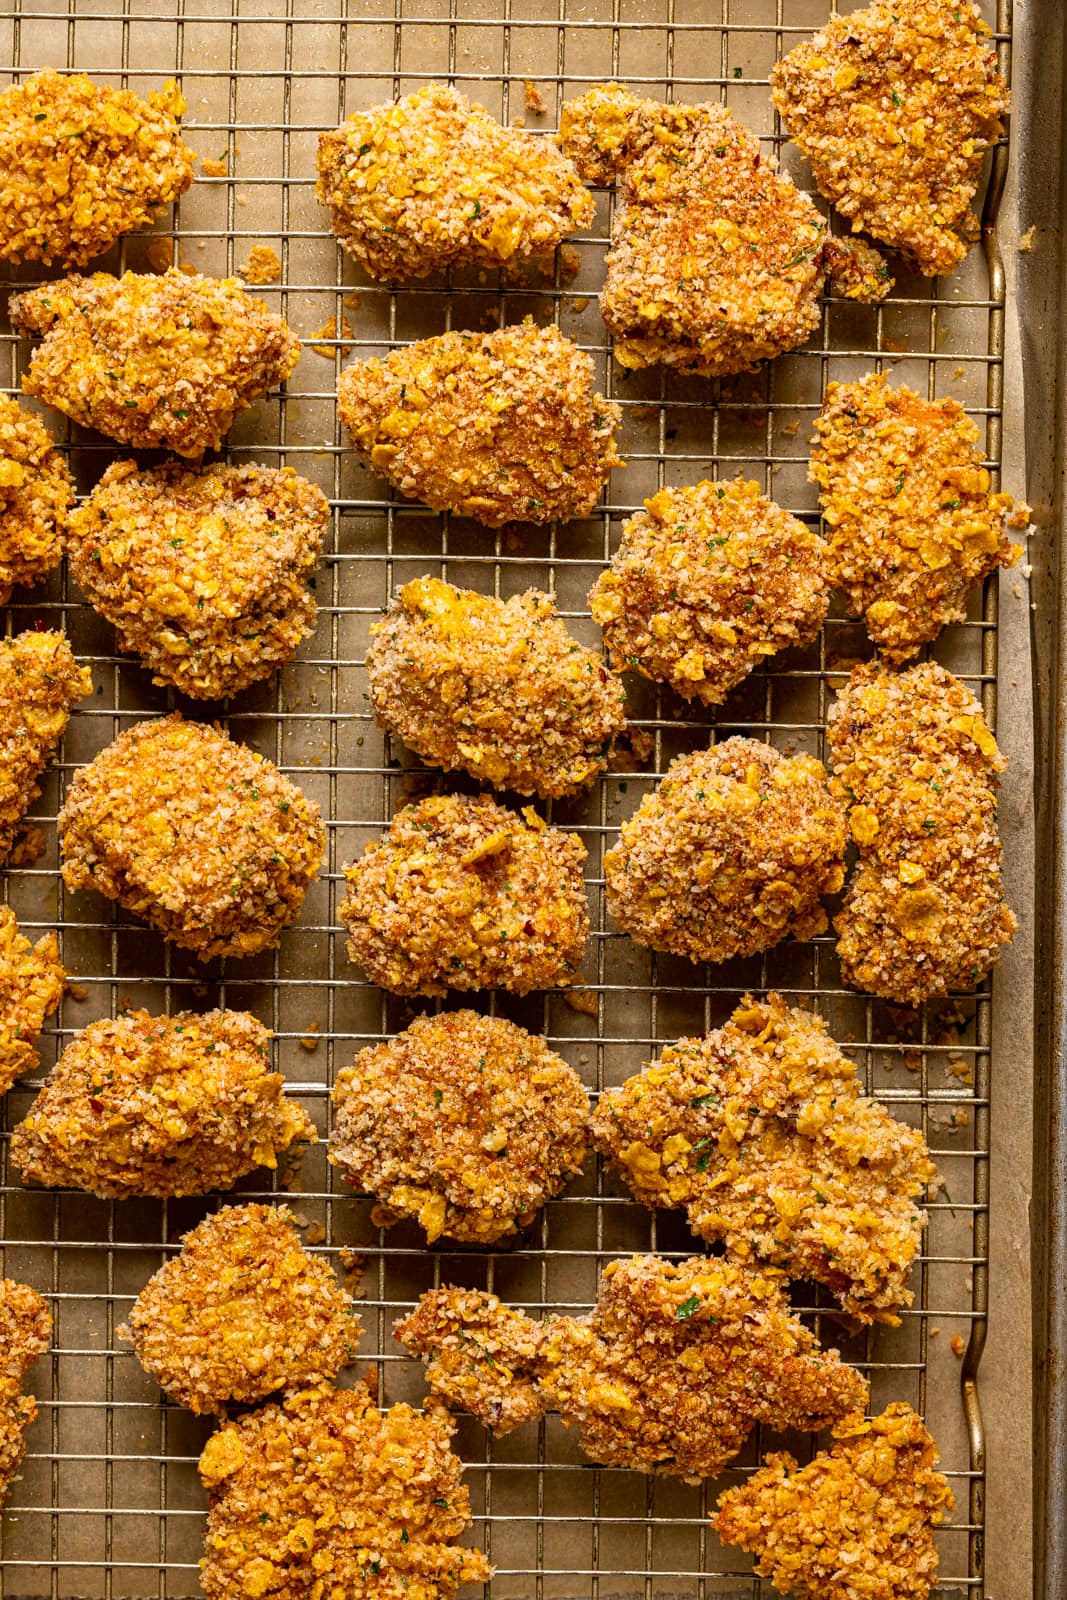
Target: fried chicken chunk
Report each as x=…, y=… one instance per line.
x=708, y=582
x=201, y=570
x=80, y=165
x=913, y=525
x=501, y=426
x=467, y=1123
x=497, y=688
x=40, y=682
x=731, y=854
x=25, y=1329
x=761, y=1132
x=432, y=181
x=913, y=757
x=156, y=361
x=35, y=496
x=465, y=894
x=668, y=1373
x=325, y=1496
x=242, y=1312
x=716, y=260
x=855, y=1523
x=31, y=986
x=159, y=1106
x=895, y=106
x=203, y=838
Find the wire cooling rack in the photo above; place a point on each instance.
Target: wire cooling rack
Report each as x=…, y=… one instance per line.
x=109, y=1503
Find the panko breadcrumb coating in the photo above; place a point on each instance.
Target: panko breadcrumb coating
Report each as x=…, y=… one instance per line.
x=31, y=986
x=501, y=426
x=467, y=1123
x=716, y=260
x=201, y=570
x=242, y=1312
x=153, y=361
x=159, y=1106
x=913, y=525
x=761, y=1132
x=731, y=854
x=326, y=1497
x=913, y=757
x=855, y=1523
x=25, y=1330
x=464, y=894
x=202, y=837
x=81, y=164
x=895, y=106
x=495, y=687
x=432, y=181
x=707, y=582
x=40, y=682
x=35, y=494
x=668, y=1373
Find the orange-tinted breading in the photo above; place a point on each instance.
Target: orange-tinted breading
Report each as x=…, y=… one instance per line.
x=40, y=682
x=25, y=1329
x=35, y=495
x=31, y=986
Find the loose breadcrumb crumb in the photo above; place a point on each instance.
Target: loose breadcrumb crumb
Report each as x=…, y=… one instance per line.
x=31, y=986
x=25, y=1330
x=263, y=266
x=343, y=333
x=533, y=99
x=40, y=682
x=214, y=166
x=36, y=492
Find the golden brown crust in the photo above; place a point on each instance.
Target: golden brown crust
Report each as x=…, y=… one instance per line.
x=31, y=986
x=35, y=495
x=40, y=682
x=25, y=1330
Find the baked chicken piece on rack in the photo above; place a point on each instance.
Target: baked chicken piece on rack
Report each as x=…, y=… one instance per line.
x=25, y=1330
x=40, y=683
x=31, y=986
x=36, y=492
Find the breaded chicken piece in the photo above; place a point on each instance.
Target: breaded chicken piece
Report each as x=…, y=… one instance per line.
x=497, y=688
x=40, y=682
x=464, y=894
x=159, y=1106
x=501, y=426
x=82, y=164
x=467, y=1123
x=913, y=757
x=761, y=1132
x=32, y=979
x=25, y=1331
x=716, y=260
x=855, y=1523
x=202, y=571
x=201, y=837
x=913, y=525
x=325, y=1497
x=242, y=1312
x=729, y=855
x=668, y=1373
x=35, y=495
x=432, y=181
x=164, y=360
x=707, y=582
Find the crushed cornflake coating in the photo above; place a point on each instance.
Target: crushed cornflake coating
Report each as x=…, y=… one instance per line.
x=730, y=854
x=467, y=1123
x=464, y=894
x=668, y=1373
x=40, y=682
x=242, y=1312
x=25, y=1331
x=35, y=495
x=716, y=260
x=856, y=1523
x=156, y=360
x=914, y=759
x=325, y=1497
x=497, y=688
x=761, y=1132
x=500, y=426
x=707, y=582
x=432, y=181
x=202, y=571
x=80, y=165
x=159, y=1106
x=202, y=837
x=895, y=107
x=913, y=525
x=32, y=979
x=262, y=266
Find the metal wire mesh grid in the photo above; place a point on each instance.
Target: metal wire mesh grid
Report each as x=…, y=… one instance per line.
x=109, y=1504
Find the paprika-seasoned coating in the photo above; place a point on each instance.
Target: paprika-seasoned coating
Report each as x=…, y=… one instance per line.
x=202, y=571
x=895, y=106
x=432, y=181
x=202, y=837
x=760, y=1131
x=716, y=260
x=155, y=361
x=25, y=1331
x=36, y=492
x=326, y=1496
x=40, y=682
x=32, y=979
x=465, y=894
x=501, y=427
x=159, y=1106
x=707, y=582
x=497, y=688
x=730, y=854
x=467, y=1123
